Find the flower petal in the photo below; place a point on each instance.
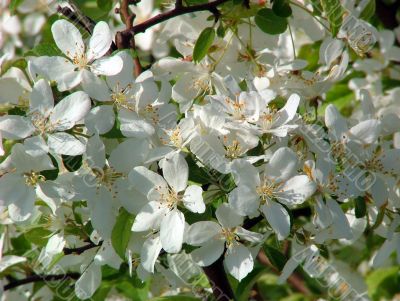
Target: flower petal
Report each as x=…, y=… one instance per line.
x=149, y=253
x=172, y=230
x=107, y=66
x=278, y=218
x=65, y=144
x=149, y=217
x=227, y=216
x=238, y=261
x=201, y=232
x=70, y=110
x=68, y=38
x=100, y=41
x=41, y=98
x=208, y=253
x=175, y=171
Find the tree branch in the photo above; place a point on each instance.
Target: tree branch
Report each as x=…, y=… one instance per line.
x=294, y=280
x=124, y=39
x=82, y=249
x=177, y=11
x=219, y=281
x=77, y=17
x=38, y=278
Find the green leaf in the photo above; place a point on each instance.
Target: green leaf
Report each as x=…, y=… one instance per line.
x=38, y=236
x=44, y=49
x=269, y=22
x=334, y=11
x=244, y=286
x=282, y=8
x=276, y=257
x=105, y=5
x=360, y=207
x=175, y=298
x=221, y=30
x=368, y=11
x=121, y=232
x=14, y=5
x=383, y=283
x=203, y=43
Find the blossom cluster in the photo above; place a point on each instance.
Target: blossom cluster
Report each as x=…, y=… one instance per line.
x=183, y=158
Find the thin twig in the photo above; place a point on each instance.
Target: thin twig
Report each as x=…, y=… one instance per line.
x=82, y=249
x=38, y=278
x=294, y=280
x=177, y=11
x=124, y=39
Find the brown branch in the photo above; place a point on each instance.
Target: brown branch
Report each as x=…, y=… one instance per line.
x=294, y=280
x=124, y=39
x=75, y=18
x=218, y=280
x=82, y=249
x=177, y=11
x=38, y=278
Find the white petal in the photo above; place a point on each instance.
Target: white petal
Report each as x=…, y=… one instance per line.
x=278, y=218
x=367, y=131
x=144, y=180
x=100, y=119
x=296, y=190
x=100, y=41
x=88, y=283
x=26, y=161
x=175, y=171
x=10, y=90
x=244, y=200
x=70, y=110
x=65, y=144
x=41, y=98
x=133, y=125
x=335, y=122
x=16, y=127
x=57, y=69
x=238, y=261
x=208, y=253
x=193, y=199
x=245, y=173
x=95, y=87
x=102, y=212
x=172, y=229
x=149, y=253
x=149, y=217
x=282, y=164
x=201, y=232
x=248, y=235
x=95, y=152
x=107, y=66
x=126, y=75
x=123, y=158
x=10, y=260
x=228, y=217
x=388, y=247
x=288, y=112
x=68, y=38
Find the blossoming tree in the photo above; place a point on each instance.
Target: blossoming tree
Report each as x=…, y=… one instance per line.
x=199, y=150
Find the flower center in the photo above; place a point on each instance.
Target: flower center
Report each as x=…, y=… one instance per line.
x=33, y=178
x=41, y=123
x=170, y=198
x=121, y=99
x=267, y=190
x=106, y=176
x=80, y=60
x=233, y=150
x=230, y=237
